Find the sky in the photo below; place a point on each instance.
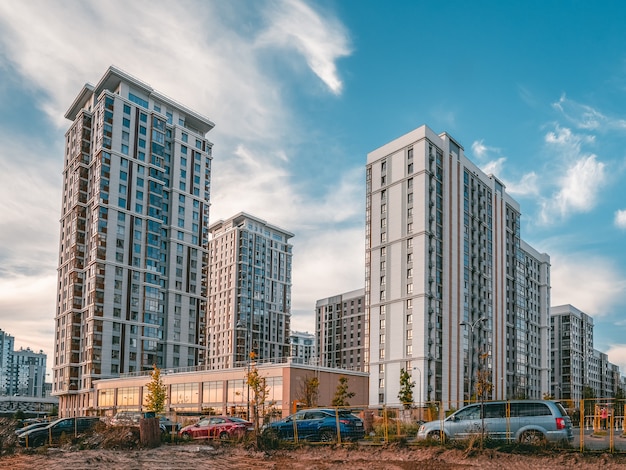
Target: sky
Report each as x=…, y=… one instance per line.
x=300, y=92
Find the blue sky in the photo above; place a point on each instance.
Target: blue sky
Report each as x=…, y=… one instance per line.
x=300, y=92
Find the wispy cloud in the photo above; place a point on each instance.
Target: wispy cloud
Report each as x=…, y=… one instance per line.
x=586, y=117
x=320, y=40
x=491, y=162
x=582, y=176
x=620, y=219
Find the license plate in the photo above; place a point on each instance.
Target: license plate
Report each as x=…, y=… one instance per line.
x=359, y=425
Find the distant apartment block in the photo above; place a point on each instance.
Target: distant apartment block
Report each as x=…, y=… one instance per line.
x=578, y=370
x=133, y=235
x=450, y=287
x=22, y=372
x=341, y=330
x=303, y=349
x=7, y=343
x=249, y=294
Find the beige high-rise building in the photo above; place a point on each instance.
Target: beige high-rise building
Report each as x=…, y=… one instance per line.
x=450, y=287
x=249, y=295
x=131, y=280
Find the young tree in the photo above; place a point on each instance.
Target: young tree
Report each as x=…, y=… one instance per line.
x=157, y=393
x=260, y=391
x=309, y=391
x=405, y=395
x=342, y=394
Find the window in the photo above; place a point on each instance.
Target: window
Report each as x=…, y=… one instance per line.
x=409, y=272
x=410, y=168
x=409, y=198
x=126, y=109
x=409, y=243
x=126, y=122
x=409, y=349
x=409, y=334
x=409, y=227
x=409, y=183
x=409, y=303
x=409, y=318
x=383, y=208
x=409, y=257
x=409, y=288
x=125, y=149
x=184, y=137
x=383, y=250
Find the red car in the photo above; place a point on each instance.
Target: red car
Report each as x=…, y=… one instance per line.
x=216, y=427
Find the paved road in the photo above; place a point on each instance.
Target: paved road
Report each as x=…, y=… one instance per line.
x=593, y=442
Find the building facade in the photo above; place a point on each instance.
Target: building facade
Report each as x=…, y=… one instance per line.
x=445, y=269
x=578, y=369
x=202, y=391
x=341, y=330
x=7, y=343
x=30, y=373
x=303, y=349
x=249, y=295
x=132, y=252
x=22, y=372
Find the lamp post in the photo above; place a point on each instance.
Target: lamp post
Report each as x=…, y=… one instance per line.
x=419, y=391
x=470, y=347
x=248, y=340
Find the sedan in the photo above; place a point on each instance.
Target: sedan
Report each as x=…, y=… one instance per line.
x=216, y=427
x=318, y=424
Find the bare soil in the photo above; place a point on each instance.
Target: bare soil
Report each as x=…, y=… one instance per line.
x=193, y=456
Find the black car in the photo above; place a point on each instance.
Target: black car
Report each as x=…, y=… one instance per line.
x=318, y=424
x=54, y=430
x=167, y=426
x=40, y=424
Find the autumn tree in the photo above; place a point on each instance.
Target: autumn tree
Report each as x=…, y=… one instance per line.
x=157, y=393
x=260, y=392
x=342, y=394
x=405, y=395
x=309, y=391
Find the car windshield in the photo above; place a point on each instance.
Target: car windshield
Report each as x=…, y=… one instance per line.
x=237, y=420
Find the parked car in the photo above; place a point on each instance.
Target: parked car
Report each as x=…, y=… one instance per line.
x=220, y=427
x=167, y=426
x=39, y=424
x=127, y=418
x=319, y=424
x=529, y=421
x=54, y=430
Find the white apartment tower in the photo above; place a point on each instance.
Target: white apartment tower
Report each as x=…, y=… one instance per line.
x=249, y=295
x=448, y=278
x=132, y=254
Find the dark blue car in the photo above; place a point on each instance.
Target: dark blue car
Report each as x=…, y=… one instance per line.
x=318, y=424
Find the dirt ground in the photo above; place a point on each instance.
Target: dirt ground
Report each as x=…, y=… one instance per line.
x=193, y=456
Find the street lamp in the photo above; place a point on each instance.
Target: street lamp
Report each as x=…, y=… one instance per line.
x=470, y=347
x=419, y=391
x=248, y=340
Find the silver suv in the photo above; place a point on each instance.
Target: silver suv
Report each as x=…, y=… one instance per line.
x=529, y=421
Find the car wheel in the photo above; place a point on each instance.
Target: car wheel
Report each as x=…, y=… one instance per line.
x=38, y=442
x=532, y=438
x=436, y=436
x=224, y=436
x=328, y=435
x=186, y=436
x=271, y=434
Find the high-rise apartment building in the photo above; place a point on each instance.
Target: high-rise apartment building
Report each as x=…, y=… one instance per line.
x=7, y=343
x=302, y=346
x=249, y=295
x=30, y=373
x=131, y=279
x=341, y=330
x=448, y=278
x=578, y=369
x=22, y=372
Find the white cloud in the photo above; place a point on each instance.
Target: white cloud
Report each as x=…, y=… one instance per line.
x=490, y=165
x=582, y=176
x=583, y=116
x=320, y=40
x=620, y=219
x=590, y=283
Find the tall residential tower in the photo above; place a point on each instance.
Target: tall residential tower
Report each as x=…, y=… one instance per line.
x=131, y=279
x=249, y=299
x=450, y=288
